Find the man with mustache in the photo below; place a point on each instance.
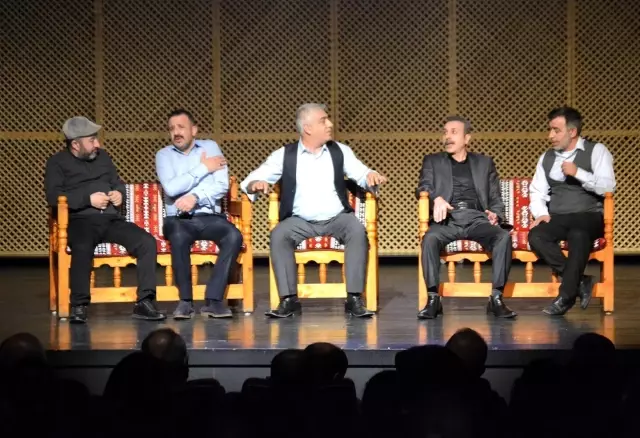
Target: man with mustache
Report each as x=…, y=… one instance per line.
x=465, y=203
x=314, y=203
x=195, y=178
x=566, y=201
x=85, y=174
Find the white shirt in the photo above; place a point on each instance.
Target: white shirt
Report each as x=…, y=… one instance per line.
x=316, y=198
x=602, y=179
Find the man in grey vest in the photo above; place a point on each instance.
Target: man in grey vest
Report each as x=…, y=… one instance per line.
x=314, y=203
x=566, y=201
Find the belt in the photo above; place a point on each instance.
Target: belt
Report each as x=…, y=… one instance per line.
x=463, y=205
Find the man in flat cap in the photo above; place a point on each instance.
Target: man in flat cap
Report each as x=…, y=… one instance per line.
x=86, y=175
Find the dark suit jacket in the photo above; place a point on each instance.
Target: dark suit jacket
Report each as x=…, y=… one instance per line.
x=436, y=179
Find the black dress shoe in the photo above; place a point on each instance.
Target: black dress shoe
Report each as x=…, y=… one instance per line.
x=215, y=309
x=78, y=314
x=585, y=290
x=559, y=306
x=499, y=309
x=355, y=306
x=288, y=306
x=432, y=309
x=146, y=309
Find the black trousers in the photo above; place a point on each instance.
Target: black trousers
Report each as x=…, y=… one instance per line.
x=182, y=232
x=466, y=225
x=580, y=230
x=87, y=232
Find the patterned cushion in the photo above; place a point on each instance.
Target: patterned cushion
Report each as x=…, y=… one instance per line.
x=145, y=207
x=357, y=197
x=515, y=195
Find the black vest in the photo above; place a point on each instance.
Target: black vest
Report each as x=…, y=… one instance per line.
x=288, y=181
x=569, y=196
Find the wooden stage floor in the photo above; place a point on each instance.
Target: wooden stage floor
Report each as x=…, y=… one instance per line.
x=254, y=339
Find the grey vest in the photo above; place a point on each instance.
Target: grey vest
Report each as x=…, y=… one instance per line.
x=568, y=196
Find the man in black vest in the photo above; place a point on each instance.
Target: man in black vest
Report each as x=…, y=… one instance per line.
x=314, y=203
x=465, y=203
x=566, y=201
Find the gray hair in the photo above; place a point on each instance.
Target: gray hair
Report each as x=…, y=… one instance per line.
x=303, y=111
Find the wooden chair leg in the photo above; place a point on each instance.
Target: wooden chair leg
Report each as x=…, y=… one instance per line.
x=422, y=287
x=247, y=285
x=53, y=282
x=371, y=285
x=64, y=263
x=274, y=298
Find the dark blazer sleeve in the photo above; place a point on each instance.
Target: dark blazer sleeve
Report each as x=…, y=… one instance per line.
x=425, y=183
x=495, y=194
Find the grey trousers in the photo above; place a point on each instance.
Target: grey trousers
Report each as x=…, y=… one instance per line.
x=466, y=225
x=288, y=234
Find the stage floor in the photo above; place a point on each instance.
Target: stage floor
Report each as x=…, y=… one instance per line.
x=254, y=339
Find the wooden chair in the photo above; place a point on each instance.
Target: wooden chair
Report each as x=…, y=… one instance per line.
x=144, y=206
x=515, y=194
x=326, y=249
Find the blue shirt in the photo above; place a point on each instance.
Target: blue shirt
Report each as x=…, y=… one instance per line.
x=316, y=198
x=182, y=174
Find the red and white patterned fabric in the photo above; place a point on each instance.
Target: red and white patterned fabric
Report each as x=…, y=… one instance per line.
x=357, y=202
x=144, y=207
x=515, y=195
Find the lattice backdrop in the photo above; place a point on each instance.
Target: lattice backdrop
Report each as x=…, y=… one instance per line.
x=390, y=71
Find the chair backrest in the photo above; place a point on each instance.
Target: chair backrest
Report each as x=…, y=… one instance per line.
x=357, y=197
x=145, y=207
x=515, y=195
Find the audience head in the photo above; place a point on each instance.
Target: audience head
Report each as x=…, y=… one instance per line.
x=138, y=375
x=323, y=363
x=592, y=350
x=421, y=364
x=18, y=348
x=286, y=367
x=471, y=348
x=166, y=345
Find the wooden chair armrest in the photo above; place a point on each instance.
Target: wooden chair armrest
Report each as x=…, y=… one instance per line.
x=423, y=213
x=235, y=208
x=274, y=207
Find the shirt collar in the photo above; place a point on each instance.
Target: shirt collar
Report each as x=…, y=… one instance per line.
x=196, y=145
x=579, y=145
x=302, y=149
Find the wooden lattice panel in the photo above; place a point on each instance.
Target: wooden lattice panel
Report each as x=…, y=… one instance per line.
x=24, y=208
x=275, y=55
x=608, y=63
x=626, y=163
x=157, y=56
x=512, y=66
x=393, y=69
x=389, y=70
x=46, y=63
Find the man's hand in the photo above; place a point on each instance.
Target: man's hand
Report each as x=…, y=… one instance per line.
x=186, y=203
x=213, y=163
x=375, y=179
x=569, y=169
x=493, y=218
x=545, y=218
x=115, y=197
x=258, y=186
x=99, y=200
x=440, y=209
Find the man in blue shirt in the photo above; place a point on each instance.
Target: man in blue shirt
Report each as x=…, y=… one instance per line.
x=314, y=203
x=195, y=178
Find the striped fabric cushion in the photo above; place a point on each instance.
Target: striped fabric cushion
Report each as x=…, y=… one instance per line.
x=357, y=197
x=144, y=206
x=515, y=195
